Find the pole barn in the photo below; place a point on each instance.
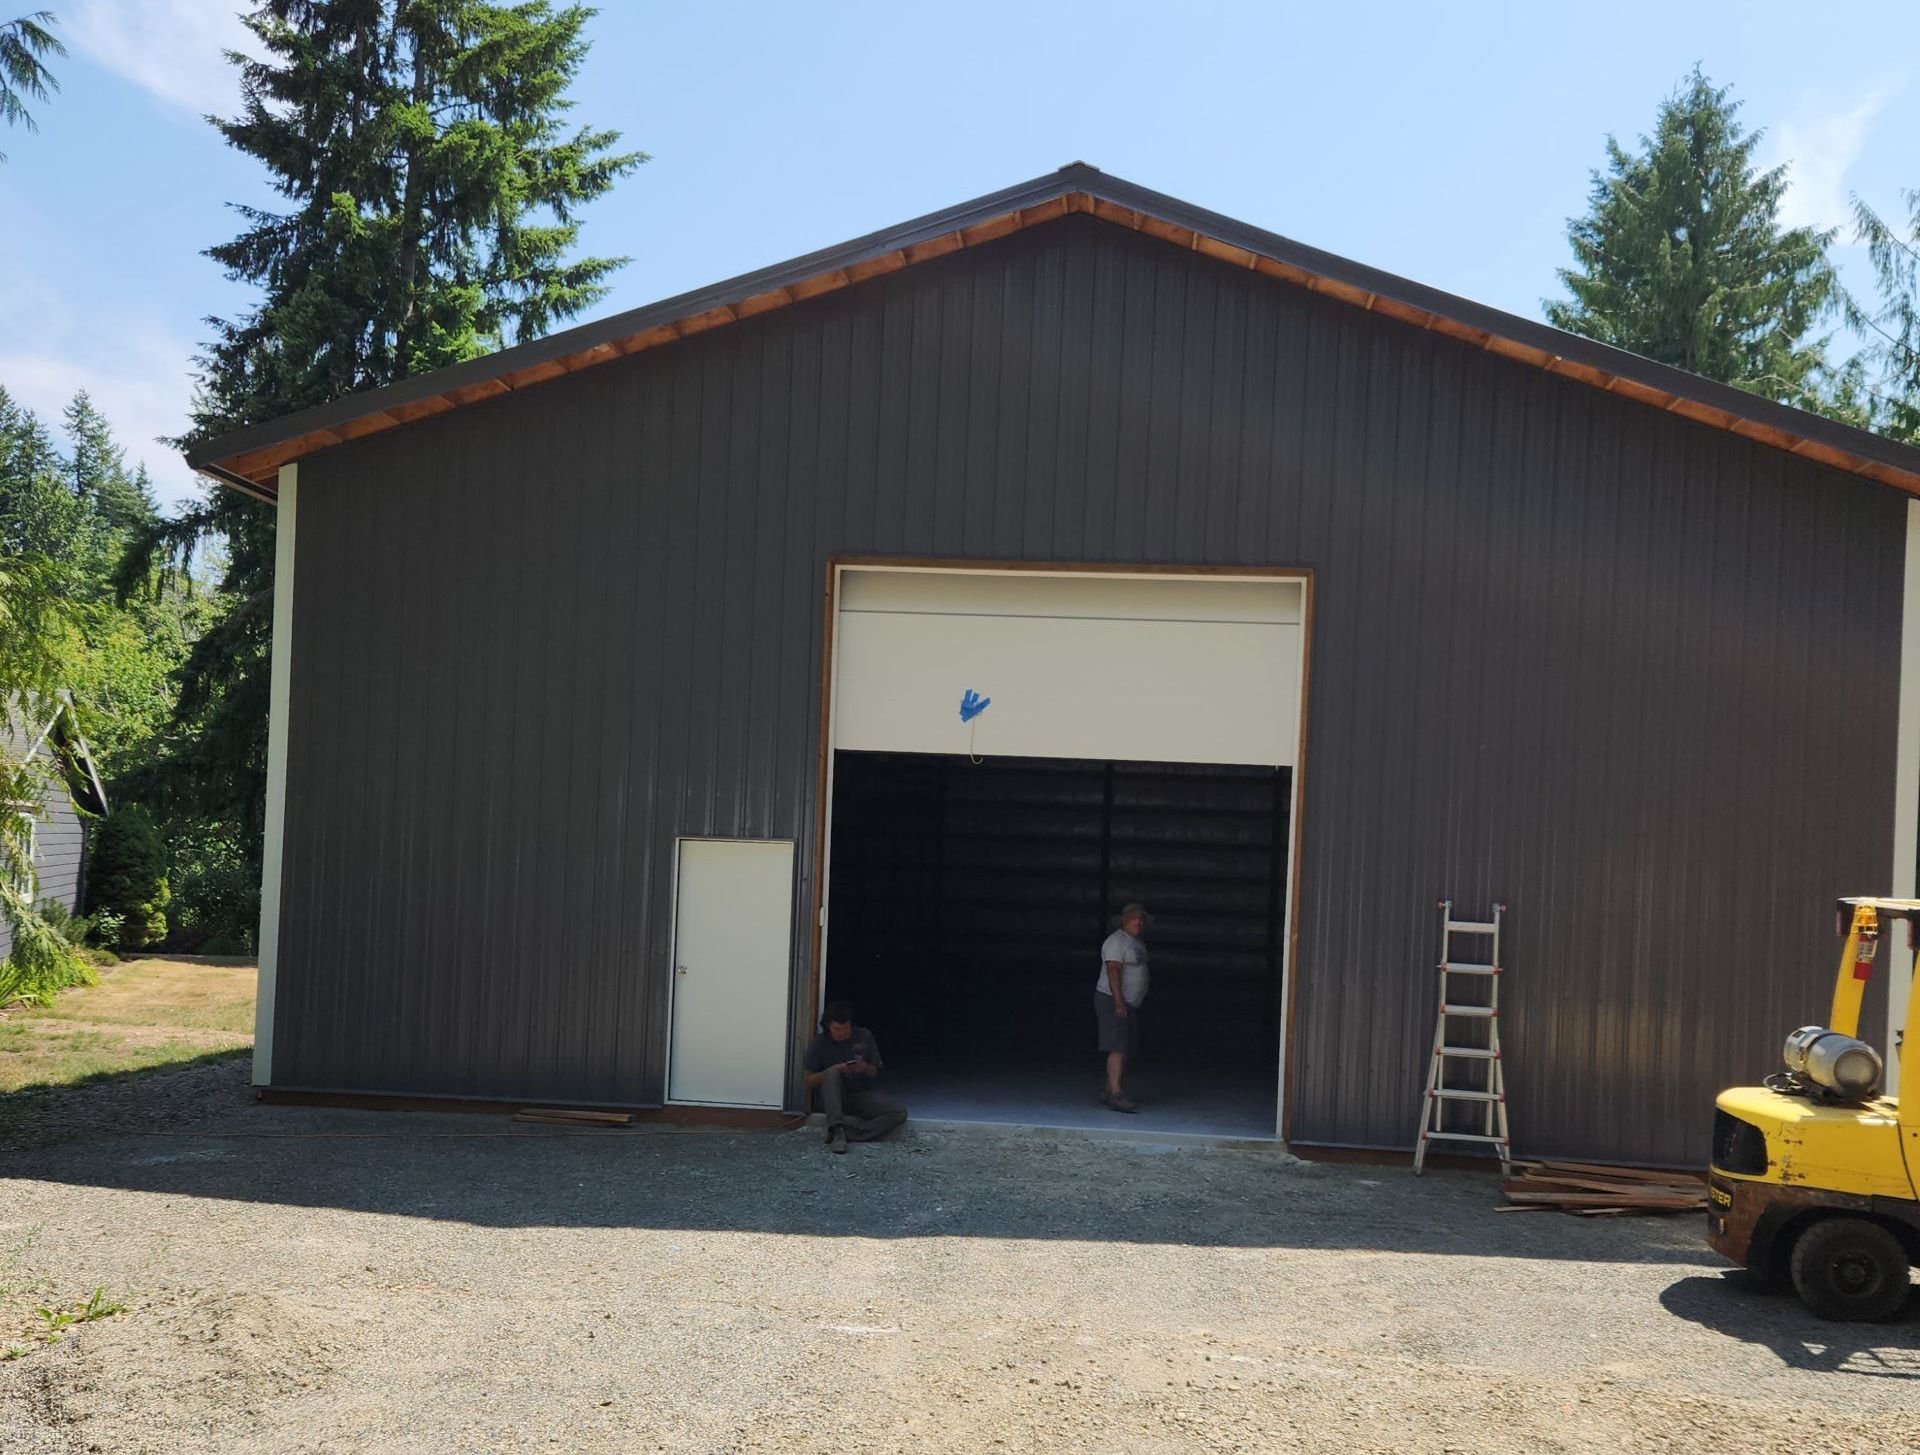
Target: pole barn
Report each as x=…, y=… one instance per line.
x=877, y=624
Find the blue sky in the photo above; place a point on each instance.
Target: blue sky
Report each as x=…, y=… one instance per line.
x=1446, y=143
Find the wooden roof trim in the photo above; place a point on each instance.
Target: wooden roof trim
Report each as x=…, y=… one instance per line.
x=262, y=465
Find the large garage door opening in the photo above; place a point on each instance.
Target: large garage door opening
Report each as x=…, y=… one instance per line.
x=1014, y=754
x=967, y=901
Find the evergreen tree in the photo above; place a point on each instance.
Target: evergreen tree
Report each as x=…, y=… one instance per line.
x=123, y=683
x=435, y=196
x=40, y=642
x=36, y=640
x=72, y=517
x=41, y=518
x=433, y=207
x=77, y=512
x=1681, y=257
x=65, y=521
x=24, y=45
x=1892, y=331
x=123, y=501
x=127, y=880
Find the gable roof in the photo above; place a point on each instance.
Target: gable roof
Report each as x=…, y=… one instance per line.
x=60, y=734
x=249, y=458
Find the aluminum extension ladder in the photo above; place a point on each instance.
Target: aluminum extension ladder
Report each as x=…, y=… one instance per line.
x=1491, y=1094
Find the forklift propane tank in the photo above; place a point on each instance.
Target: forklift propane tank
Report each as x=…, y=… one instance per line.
x=1842, y=1064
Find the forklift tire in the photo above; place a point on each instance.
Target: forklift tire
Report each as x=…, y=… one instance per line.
x=1850, y=1269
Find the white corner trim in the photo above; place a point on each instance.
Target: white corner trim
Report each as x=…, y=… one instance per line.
x=278, y=698
x=40, y=738
x=1906, y=795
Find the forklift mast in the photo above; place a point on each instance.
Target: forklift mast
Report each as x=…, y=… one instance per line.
x=1863, y=916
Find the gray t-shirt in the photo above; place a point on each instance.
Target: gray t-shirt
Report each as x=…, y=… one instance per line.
x=823, y=1051
x=1132, y=955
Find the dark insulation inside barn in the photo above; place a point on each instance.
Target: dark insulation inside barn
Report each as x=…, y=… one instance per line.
x=968, y=900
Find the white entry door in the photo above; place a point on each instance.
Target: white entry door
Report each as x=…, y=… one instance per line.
x=733, y=942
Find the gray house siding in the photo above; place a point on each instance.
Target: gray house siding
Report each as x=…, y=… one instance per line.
x=1627, y=673
x=59, y=843
x=59, y=846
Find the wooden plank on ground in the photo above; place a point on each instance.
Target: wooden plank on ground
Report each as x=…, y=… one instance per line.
x=1597, y=1184
x=572, y=1116
x=1604, y=1199
x=1596, y=1169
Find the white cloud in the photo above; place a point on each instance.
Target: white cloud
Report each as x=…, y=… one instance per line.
x=1820, y=144
x=59, y=334
x=175, y=49
x=140, y=383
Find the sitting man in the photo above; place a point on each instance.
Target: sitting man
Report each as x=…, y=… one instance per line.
x=843, y=1061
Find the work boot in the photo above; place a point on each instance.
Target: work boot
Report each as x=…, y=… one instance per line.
x=837, y=1141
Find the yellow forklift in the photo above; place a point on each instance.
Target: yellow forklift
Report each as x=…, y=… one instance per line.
x=1816, y=1176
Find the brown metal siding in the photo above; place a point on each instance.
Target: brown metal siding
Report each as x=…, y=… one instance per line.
x=1634, y=676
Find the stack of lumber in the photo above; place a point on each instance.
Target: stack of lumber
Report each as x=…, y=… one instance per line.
x=569, y=1117
x=1591, y=1191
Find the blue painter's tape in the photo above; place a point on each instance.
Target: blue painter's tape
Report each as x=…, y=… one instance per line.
x=972, y=704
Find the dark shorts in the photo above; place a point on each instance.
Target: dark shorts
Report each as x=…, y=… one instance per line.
x=1116, y=1033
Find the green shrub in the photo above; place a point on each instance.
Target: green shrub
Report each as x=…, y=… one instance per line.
x=62, y=922
x=21, y=985
x=216, y=891
x=105, y=927
x=128, y=877
x=44, y=961
x=89, y=934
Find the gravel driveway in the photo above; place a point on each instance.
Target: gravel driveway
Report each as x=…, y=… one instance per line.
x=320, y=1280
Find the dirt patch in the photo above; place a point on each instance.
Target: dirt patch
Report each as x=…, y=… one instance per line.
x=1057, y=1389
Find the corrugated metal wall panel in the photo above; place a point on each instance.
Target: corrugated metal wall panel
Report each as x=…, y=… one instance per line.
x=1631, y=675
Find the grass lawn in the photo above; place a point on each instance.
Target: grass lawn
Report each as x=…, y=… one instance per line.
x=143, y=1015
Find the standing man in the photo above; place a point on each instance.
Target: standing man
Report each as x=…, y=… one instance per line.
x=1117, y=996
x=843, y=1061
